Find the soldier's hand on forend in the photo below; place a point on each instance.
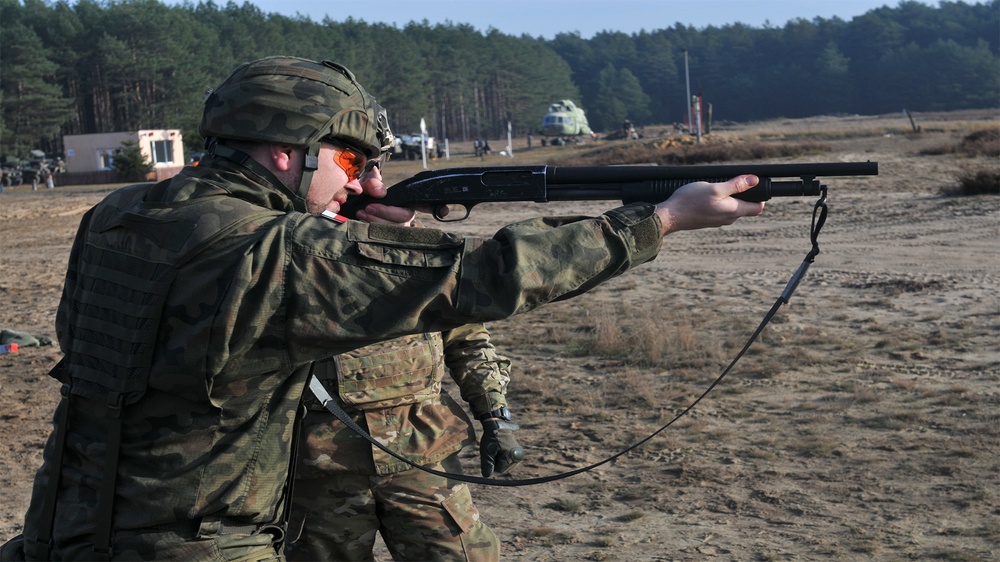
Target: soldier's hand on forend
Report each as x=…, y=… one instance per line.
x=498, y=449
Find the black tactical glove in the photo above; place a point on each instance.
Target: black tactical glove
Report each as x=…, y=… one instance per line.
x=498, y=450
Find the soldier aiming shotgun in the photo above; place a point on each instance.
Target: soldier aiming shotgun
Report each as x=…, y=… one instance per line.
x=468, y=187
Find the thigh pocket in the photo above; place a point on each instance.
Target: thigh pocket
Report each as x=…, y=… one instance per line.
x=461, y=509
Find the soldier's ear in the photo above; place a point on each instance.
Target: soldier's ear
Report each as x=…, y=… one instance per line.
x=282, y=156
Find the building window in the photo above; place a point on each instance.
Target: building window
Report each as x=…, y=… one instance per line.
x=162, y=151
x=105, y=157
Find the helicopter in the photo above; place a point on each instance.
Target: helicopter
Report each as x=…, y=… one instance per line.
x=566, y=122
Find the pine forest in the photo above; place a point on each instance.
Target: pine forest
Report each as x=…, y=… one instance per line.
x=92, y=67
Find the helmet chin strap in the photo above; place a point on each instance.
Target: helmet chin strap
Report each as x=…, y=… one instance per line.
x=309, y=165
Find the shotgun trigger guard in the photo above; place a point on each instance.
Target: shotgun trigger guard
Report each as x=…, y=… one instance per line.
x=443, y=213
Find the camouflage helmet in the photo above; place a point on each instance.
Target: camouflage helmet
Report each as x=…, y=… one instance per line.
x=295, y=101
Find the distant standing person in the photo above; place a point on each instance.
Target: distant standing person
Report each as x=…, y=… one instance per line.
x=47, y=176
x=35, y=175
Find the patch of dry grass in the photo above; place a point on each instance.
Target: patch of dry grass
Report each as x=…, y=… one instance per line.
x=638, y=337
x=566, y=504
x=550, y=536
x=974, y=179
x=982, y=142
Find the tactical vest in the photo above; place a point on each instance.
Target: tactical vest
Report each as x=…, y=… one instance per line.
x=127, y=260
x=403, y=371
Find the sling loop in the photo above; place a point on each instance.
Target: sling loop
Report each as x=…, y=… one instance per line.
x=331, y=405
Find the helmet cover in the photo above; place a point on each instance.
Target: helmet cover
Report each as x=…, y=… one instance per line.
x=295, y=101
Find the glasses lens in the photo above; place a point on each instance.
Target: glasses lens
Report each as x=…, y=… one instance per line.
x=351, y=161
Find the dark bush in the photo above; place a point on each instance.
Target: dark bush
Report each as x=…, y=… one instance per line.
x=981, y=143
x=979, y=182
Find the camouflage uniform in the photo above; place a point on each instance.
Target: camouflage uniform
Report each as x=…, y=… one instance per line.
x=347, y=489
x=192, y=310
x=207, y=447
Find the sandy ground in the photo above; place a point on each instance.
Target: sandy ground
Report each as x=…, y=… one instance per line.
x=864, y=425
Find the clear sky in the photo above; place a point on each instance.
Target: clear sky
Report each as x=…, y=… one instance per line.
x=546, y=18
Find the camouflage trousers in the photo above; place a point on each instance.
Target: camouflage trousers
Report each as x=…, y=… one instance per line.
x=155, y=545
x=420, y=517
x=227, y=548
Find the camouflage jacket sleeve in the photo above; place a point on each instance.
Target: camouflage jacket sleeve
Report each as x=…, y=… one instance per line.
x=378, y=282
x=482, y=374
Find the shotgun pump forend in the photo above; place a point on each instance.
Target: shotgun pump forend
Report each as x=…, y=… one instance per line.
x=468, y=187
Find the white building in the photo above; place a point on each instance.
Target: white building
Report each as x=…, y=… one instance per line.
x=164, y=148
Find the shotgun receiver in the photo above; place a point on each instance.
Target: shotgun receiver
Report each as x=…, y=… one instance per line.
x=467, y=187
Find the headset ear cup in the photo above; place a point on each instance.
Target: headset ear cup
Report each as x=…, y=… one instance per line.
x=383, y=132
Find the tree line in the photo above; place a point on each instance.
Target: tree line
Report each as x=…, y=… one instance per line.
x=122, y=65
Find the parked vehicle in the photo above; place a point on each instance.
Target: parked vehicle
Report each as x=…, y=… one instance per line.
x=12, y=174
x=409, y=145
